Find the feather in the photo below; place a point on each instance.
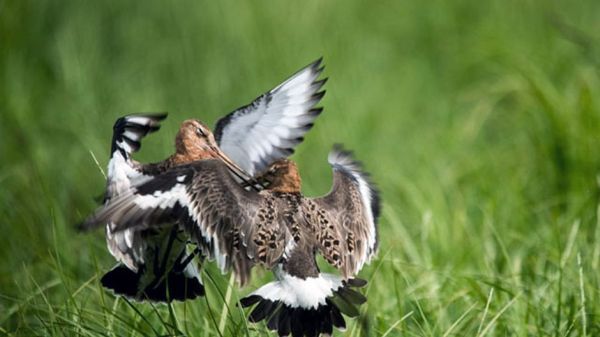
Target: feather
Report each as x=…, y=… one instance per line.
x=348, y=215
x=271, y=126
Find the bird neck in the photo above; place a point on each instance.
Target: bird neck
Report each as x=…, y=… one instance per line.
x=186, y=151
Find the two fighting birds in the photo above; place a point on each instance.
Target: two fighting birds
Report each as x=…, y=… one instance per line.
x=236, y=198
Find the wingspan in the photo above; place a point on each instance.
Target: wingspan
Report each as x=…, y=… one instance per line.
x=347, y=217
x=272, y=125
x=219, y=214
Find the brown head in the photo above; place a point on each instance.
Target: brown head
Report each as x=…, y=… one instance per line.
x=283, y=177
x=195, y=141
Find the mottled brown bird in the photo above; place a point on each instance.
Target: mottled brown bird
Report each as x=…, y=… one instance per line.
x=278, y=228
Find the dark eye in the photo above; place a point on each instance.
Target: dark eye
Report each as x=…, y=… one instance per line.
x=199, y=132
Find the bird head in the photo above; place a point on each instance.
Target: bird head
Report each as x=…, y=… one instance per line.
x=195, y=141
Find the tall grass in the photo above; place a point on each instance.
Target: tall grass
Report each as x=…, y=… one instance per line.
x=479, y=121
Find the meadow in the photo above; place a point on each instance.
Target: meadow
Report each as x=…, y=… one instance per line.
x=479, y=121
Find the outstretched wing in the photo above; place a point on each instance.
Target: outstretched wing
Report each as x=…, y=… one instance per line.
x=203, y=197
x=347, y=217
x=128, y=131
x=271, y=126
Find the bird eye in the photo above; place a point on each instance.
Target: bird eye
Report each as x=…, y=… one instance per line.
x=199, y=132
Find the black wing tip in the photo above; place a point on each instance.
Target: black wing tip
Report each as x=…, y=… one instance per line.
x=306, y=127
x=315, y=111
x=138, y=129
x=159, y=116
x=123, y=121
x=316, y=65
x=317, y=96
x=320, y=83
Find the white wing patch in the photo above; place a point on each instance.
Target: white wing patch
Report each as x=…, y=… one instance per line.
x=120, y=173
x=162, y=199
x=269, y=128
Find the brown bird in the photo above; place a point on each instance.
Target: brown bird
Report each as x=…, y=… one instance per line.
x=278, y=228
x=156, y=262
x=253, y=136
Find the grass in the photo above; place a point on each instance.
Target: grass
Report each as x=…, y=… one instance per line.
x=479, y=121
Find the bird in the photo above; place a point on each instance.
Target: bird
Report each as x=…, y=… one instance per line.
x=154, y=264
x=278, y=228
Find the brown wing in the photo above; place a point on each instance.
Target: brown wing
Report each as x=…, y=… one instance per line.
x=232, y=224
x=347, y=216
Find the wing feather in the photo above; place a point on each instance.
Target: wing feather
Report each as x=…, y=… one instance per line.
x=206, y=201
x=272, y=125
x=128, y=131
x=348, y=215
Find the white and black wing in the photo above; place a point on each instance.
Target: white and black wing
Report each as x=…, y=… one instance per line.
x=211, y=206
x=347, y=216
x=269, y=128
x=128, y=131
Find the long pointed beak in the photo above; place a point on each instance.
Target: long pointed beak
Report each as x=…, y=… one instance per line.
x=234, y=168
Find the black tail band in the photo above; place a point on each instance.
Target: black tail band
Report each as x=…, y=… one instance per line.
x=309, y=322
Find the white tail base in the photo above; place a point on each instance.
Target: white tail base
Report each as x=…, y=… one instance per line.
x=295, y=292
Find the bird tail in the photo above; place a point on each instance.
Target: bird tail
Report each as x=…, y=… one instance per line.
x=305, y=307
x=180, y=283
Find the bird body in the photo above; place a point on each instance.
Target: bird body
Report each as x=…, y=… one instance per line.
x=153, y=260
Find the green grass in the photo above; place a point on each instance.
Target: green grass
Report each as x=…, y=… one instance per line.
x=479, y=121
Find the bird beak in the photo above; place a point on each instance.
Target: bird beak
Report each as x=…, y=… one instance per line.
x=233, y=167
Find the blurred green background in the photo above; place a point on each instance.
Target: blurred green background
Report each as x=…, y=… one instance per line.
x=480, y=122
